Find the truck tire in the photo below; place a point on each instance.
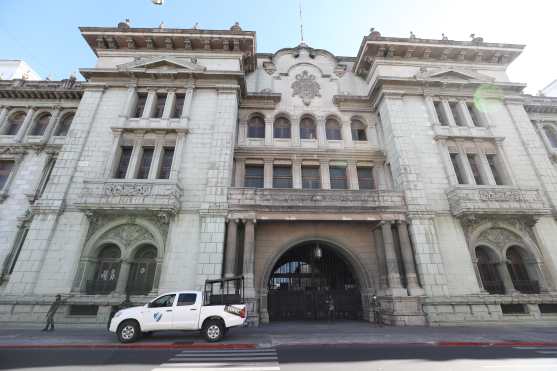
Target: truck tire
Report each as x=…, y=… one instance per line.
x=128, y=332
x=213, y=331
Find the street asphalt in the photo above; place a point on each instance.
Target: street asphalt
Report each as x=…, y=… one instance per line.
x=394, y=357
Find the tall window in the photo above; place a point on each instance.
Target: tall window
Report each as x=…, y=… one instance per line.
x=6, y=167
x=519, y=272
x=338, y=177
x=107, y=271
x=458, y=168
x=125, y=157
x=332, y=129
x=551, y=135
x=365, y=178
x=178, y=106
x=254, y=177
x=45, y=176
x=281, y=128
x=64, y=125
x=159, y=106
x=145, y=163
x=456, y=114
x=358, y=130
x=440, y=113
x=14, y=123
x=491, y=280
x=282, y=176
x=11, y=259
x=307, y=128
x=473, y=160
x=311, y=177
x=256, y=127
x=493, y=165
x=41, y=124
x=140, y=106
x=473, y=113
x=166, y=163
x=142, y=271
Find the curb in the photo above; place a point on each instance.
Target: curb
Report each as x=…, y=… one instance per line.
x=207, y=346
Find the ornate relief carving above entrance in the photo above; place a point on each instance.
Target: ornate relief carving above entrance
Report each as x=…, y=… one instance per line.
x=305, y=87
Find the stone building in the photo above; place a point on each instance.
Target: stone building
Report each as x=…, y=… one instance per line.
x=414, y=171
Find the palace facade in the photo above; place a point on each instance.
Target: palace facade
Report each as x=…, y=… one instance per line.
x=415, y=171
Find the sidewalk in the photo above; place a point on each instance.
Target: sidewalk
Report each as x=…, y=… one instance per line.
x=291, y=334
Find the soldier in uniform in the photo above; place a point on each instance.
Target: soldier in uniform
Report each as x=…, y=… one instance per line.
x=52, y=311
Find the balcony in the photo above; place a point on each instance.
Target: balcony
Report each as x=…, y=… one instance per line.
x=496, y=200
x=131, y=194
x=527, y=286
x=268, y=199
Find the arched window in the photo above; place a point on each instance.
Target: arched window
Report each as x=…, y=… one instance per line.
x=307, y=128
x=14, y=123
x=142, y=271
x=41, y=124
x=519, y=272
x=281, y=128
x=551, y=135
x=487, y=266
x=64, y=125
x=358, y=130
x=332, y=129
x=256, y=127
x=107, y=271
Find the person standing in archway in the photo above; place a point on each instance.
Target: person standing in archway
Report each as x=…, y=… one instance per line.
x=330, y=308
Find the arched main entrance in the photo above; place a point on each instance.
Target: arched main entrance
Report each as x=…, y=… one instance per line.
x=304, y=277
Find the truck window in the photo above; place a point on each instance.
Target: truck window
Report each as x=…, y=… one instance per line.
x=163, y=301
x=187, y=299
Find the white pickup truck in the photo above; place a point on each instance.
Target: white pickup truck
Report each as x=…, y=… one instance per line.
x=181, y=310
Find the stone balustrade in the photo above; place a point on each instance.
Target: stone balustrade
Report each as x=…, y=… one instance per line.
x=131, y=194
x=496, y=200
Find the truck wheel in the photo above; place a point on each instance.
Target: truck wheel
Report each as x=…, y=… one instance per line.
x=128, y=332
x=213, y=331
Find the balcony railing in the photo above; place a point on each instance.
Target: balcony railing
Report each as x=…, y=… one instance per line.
x=527, y=286
x=496, y=200
x=100, y=287
x=494, y=287
x=130, y=194
x=139, y=288
x=315, y=199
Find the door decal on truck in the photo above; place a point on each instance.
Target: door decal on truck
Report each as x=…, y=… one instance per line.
x=157, y=316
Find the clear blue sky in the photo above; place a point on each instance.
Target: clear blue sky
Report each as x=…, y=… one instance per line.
x=44, y=32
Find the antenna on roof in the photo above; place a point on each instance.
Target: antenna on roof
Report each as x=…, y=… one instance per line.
x=301, y=24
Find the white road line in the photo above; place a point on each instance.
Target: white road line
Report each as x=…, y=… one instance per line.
x=520, y=366
x=225, y=354
x=546, y=351
x=186, y=367
x=228, y=351
x=535, y=348
x=227, y=359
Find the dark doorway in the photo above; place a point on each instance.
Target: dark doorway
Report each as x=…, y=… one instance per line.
x=302, y=280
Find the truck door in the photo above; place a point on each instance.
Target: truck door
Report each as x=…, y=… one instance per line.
x=158, y=314
x=186, y=312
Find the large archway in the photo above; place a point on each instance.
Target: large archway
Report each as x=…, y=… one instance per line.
x=303, y=279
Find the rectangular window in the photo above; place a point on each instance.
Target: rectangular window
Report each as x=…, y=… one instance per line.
x=159, y=105
x=338, y=177
x=178, y=106
x=84, y=310
x=46, y=176
x=365, y=178
x=473, y=160
x=492, y=160
x=457, y=168
x=254, y=176
x=456, y=114
x=6, y=167
x=311, y=178
x=473, y=114
x=140, y=106
x=11, y=259
x=166, y=163
x=125, y=158
x=439, y=112
x=282, y=177
x=186, y=299
x=145, y=163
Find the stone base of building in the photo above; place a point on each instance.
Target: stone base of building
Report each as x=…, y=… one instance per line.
x=402, y=311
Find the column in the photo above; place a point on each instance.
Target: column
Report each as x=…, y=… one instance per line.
x=137, y=152
x=268, y=173
x=26, y=122
x=487, y=175
x=231, y=248
x=111, y=165
x=157, y=156
x=186, y=110
x=157, y=277
x=431, y=110
x=296, y=173
x=379, y=176
x=506, y=278
x=3, y=116
x=447, y=163
x=242, y=132
x=178, y=149
x=239, y=172
x=325, y=175
x=149, y=104
x=352, y=175
x=413, y=286
x=464, y=163
x=51, y=124
x=269, y=132
x=249, y=257
x=505, y=170
x=448, y=113
x=380, y=252
x=129, y=105
x=465, y=114
x=321, y=133
x=123, y=277
x=295, y=127
x=346, y=134
x=393, y=273
x=169, y=104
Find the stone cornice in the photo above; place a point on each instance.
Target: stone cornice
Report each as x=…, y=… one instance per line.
x=43, y=89
x=261, y=100
x=540, y=104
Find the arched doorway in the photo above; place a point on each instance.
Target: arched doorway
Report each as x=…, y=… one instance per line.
x=142, y=271
x=304, y=277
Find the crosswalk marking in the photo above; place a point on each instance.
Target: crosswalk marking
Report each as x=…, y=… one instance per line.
x=263, y=359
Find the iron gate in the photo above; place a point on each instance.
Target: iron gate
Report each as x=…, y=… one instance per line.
x=305, y=277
